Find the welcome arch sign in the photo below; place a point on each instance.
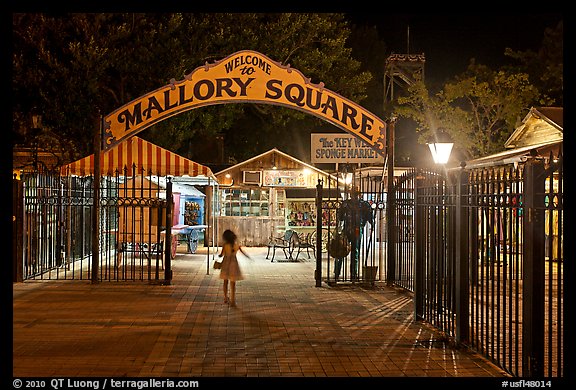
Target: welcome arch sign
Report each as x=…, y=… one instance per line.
x=243, y=77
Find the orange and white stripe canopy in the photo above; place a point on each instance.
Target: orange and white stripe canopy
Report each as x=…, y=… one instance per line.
x=145, y=156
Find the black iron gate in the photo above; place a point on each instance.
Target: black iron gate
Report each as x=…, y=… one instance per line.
x=55, y=219
x=55, y=241
x=482, y=251
x=489, y=261
x=356, y=213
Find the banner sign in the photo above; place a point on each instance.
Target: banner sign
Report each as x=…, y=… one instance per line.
x=341, y=148
x=285, y=178
x=245, y=76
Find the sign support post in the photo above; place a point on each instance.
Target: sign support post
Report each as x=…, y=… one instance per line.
x=391, y=223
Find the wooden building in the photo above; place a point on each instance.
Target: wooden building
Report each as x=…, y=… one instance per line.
x=540, y=134
x=267, y=194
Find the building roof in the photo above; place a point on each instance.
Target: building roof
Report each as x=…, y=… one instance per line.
x=272, y=153
x=516, y=155
x=540, y=134
x=540, y=125
x=183, y=188
x=144, y=155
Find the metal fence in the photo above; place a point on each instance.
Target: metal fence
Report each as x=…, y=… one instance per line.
x=403, y=225
x=487, y=264
x=53, y=226
x=435, y=266
x=495, y=213
x=365, y=261
x=54, y=233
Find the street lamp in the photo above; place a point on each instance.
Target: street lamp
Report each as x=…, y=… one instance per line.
x=441, y=148
x=346, y=178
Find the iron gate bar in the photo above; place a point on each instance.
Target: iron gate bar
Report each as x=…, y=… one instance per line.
x=319, y=219
x=533, y=279
x=462, y=260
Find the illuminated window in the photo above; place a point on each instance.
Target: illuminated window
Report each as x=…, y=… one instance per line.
x=245, y=203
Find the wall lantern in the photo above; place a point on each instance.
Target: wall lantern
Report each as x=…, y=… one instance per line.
x=346, y=175
x=36, y=121
x=441, y=148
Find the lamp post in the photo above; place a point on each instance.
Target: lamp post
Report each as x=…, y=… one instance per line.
x=441, y=148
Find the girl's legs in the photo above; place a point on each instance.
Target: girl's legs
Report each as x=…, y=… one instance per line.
x=232, y=293
x=225, y=287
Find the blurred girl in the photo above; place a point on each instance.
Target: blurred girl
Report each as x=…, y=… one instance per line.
x=230, y=270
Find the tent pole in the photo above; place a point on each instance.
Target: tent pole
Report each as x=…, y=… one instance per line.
x=215, y=198
x=206, y=234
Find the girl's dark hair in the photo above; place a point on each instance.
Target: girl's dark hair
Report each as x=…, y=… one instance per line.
x=229, y=236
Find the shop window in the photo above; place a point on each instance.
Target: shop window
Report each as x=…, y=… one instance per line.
x=245, y=203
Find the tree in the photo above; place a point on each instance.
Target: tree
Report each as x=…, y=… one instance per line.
x=478, y=110
x=76, y=67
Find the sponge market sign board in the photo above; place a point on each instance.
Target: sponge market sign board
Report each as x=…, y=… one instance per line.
x=341, y=148
x=243, y=77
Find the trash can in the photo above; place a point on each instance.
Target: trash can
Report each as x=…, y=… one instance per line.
x=369, y=272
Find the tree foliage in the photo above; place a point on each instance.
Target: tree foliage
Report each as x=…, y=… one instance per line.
x=75, y=67
x=478, y=110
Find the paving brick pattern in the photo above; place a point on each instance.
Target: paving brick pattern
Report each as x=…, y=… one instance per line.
x=281, y=326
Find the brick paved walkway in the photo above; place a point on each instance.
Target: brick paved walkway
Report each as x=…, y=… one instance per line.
x=282, y=326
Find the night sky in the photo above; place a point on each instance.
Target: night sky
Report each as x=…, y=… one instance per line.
x=449, y=41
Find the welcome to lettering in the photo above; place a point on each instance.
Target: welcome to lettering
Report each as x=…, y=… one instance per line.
x=247, y=61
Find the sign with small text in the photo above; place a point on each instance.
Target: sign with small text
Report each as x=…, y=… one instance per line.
x=341, y=148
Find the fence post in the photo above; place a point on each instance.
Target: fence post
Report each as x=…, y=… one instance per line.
x=462, y=259
x=420, y=242
x=533, y=271
x=168, y=236
x=390, y=208
x=318, y=272
x=17, y=229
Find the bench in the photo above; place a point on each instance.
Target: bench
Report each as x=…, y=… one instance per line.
x=285, y=242
x=305, y=241
x=149, y=251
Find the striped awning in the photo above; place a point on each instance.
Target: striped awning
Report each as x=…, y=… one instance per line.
x=139, y=155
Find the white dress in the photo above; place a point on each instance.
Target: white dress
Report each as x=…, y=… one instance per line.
x=230, y=268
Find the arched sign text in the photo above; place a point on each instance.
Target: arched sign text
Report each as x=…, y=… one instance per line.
x=245, y=76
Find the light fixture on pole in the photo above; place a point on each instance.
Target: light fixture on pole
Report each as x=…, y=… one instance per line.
x=441, y=148
x=346, y=178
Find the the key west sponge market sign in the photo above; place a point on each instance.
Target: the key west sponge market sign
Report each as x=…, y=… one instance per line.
x=245, y=76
